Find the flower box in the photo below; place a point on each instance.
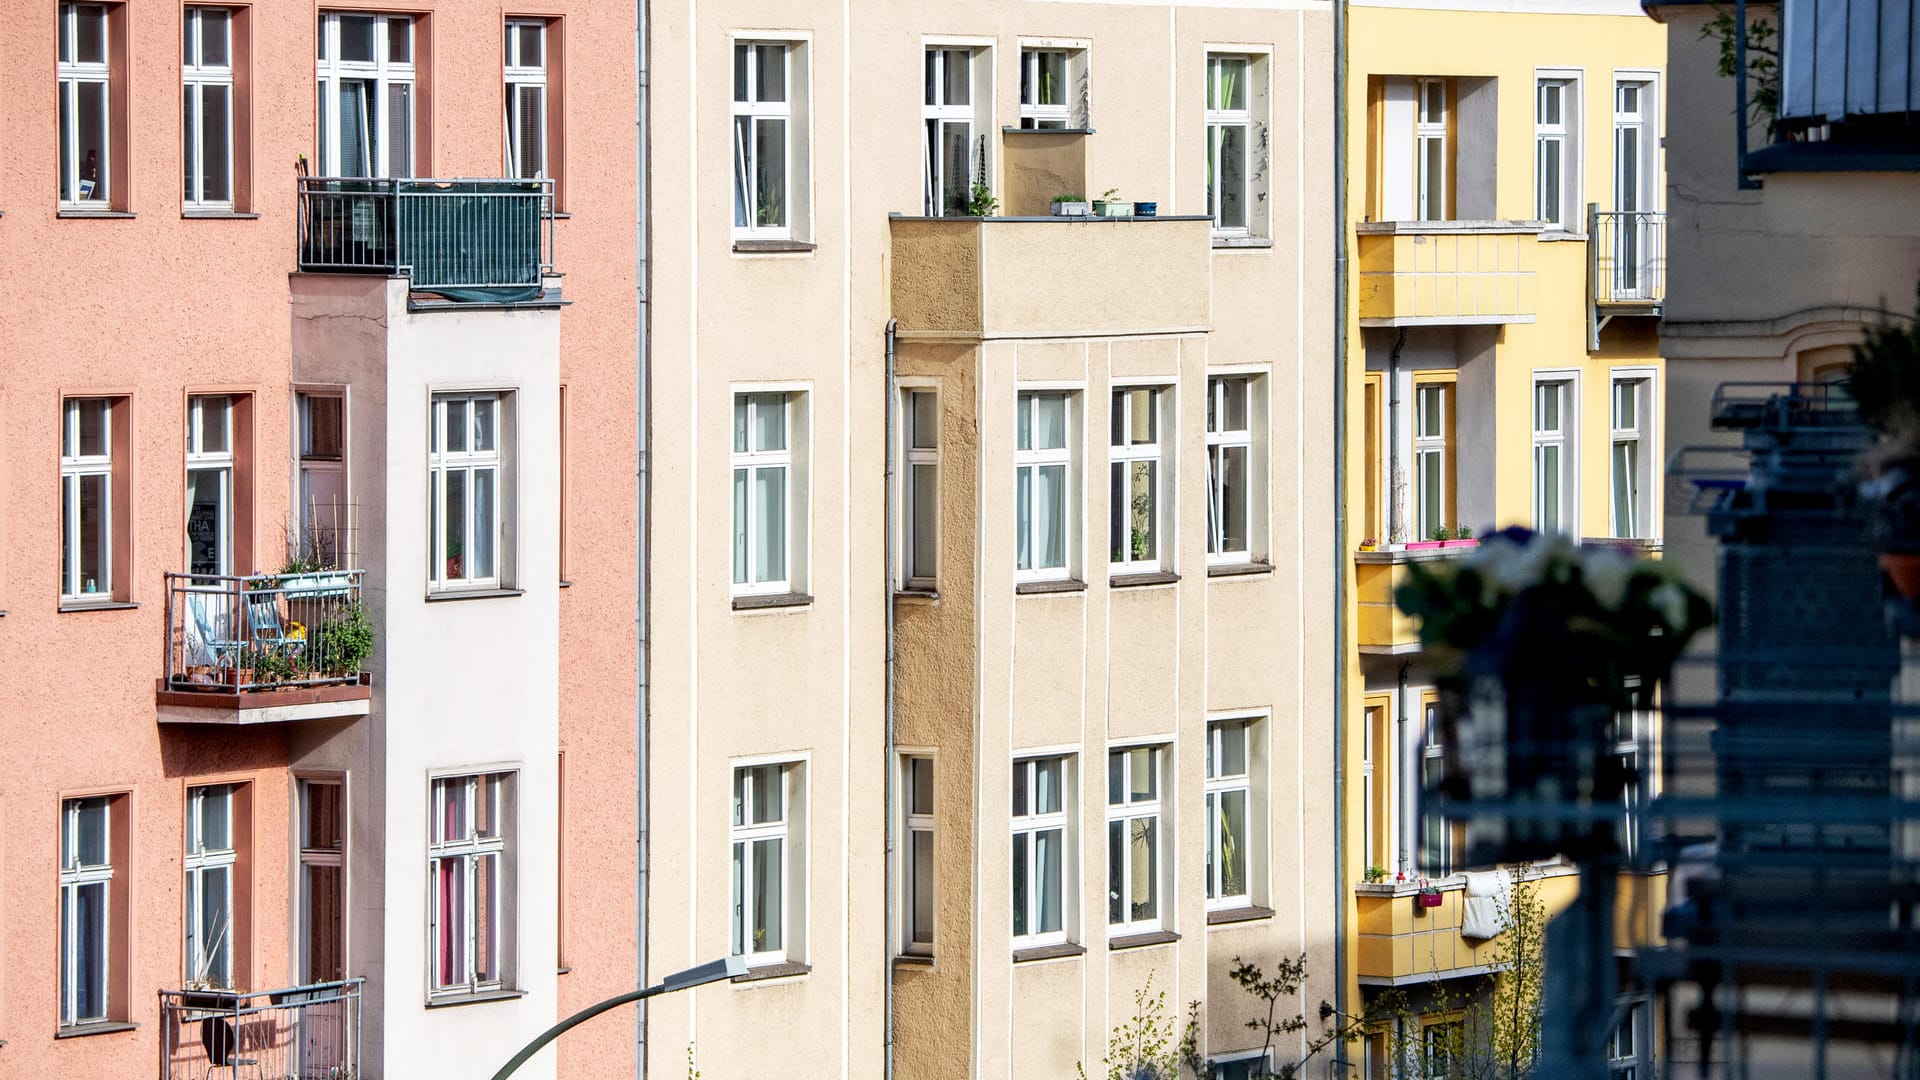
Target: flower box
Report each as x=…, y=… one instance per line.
x=1426, y=545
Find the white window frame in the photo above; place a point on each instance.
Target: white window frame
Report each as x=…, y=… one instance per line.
x=917, y=457
x=1259, y=1063
x=1429, y=128
x=742, y=833
x=312, y=858
x=383, y=72
x=1429, y=444
x=443, y=462
x=74, y=876
x=1565, y=438
x=1217, y=119
x=938, y=115
x=1029, y=462
x=1122, y=451
x=746, y=195
x=1627, y=1065
x=466, y=852
x=1640, y=436
x=1219, y=784
x=524, y=79
x=196, y=77
x=1370, y=854
x=198, y=861
x=219, y=463
x=915, y=939
x=1036, y=115
x=1219, y=441
x=72, y=72
x=1553, y=140
x=1434, y=853
x=1128, y=813
x=750, y=461
x=73, y=466
x=1032, y=824
x=1636, y=243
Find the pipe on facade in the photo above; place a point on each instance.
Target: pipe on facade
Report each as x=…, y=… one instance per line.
x=643, y=375
x=886, y=518
x=1340, y=558
x=1396, y=482
x=1409, y=762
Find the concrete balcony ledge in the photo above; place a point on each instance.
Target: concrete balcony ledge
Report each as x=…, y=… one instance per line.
x=1453, y=228
x=263, y=706
x=1398, y=554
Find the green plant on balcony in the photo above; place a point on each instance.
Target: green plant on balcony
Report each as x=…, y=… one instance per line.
x=346, y=640
x=1463, y=532
x=1375, y=874
x=1440, y=532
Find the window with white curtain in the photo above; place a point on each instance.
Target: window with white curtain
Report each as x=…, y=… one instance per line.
x=210, y=484
x=763, y=139
x=206, y=73
x=1043, y=467
x=464, y=463
x=1138, y=477
x=210, y=862
x=766, y=805
x=470, y=879
x=1136, y=836
x=1040, y=857
x=367, y=105
x=765, y=492
x=526, y=109
x=85, y=114
x=86, y=915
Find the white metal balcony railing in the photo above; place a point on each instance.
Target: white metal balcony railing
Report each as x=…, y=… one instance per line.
x=298, y=1033
x=443, y=234
x=1629, y=256
x=266, y=631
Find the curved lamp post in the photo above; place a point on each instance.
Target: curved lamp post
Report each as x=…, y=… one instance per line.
x=730, y=968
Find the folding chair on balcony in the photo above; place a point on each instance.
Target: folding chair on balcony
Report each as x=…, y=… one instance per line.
x=266, y=624
x=221, y=1041
x=210, y=640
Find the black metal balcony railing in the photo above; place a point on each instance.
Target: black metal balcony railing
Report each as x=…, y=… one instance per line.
x=1629, y=256
x=443, y=234
x=267, y=631
x=310, y=1032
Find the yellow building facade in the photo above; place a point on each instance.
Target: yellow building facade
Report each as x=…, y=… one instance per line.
x=1505, y=187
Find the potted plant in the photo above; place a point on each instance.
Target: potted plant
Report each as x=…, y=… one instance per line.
x=346, y=641
x=1884, y=381
x=1068, y=204
x=239, y=673
x=1428, y=896
x=1376, y=875
x=1370, y=544
x=1462, y=537
x=1108, y=206
x=980, y=200
x=1438, y=537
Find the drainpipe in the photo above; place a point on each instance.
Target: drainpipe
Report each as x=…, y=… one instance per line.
x=886, y=527
x=643, y=377
x=1409, y=762
x=1341, y=558
x=1396, y=482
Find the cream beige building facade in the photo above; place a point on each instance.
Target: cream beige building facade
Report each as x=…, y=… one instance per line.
x=985, y=545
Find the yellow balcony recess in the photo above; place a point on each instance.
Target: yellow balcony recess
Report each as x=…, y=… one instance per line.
x=1382, y=628
x=1447, y=273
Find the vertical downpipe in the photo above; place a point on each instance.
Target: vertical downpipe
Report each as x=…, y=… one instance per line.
x=1340, y=556
x=643, y=375
x=886, y=526
x=1396, y=480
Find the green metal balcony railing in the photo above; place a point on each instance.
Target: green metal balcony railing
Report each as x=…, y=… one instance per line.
x=443, y=234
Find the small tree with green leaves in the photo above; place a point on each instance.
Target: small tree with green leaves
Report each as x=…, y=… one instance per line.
x=1763, y=62
x=1150, y=1045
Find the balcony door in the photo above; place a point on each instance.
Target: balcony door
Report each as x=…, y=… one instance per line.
x=1632, y=196
x=366, y=94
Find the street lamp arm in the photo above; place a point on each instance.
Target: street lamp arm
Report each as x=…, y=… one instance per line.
x=572, y=1022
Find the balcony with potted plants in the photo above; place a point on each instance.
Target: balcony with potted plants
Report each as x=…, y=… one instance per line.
x=1380, y=570
x=265, y=648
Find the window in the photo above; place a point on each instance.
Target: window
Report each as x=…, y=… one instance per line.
x=86, y=140
x=463, y=470
x=466, y=865
x=526, y=115
x=1436, y=833
x=322, y=885
x=955, y=158
x=1135, y=496
x=325, y=523
x=1134, y=865
x=763, y=139
x=1432, y=458
x=1631, y=484
x=1372, y=818
x=1430, y=150
x=1552, y=502
x=1374, y=466
x=1044, y=90
x=206, y=73
x=1632, y=189
x=87, y=917
x=210, y=518
x=1039, y=851
x=1042, y=463
x=918, y=772
x=1629, y=727
x=1552, y=177
x=366, y=74
x=1443, y=1048
x=1229, y=468
x=87, y=499
x=1229, y=138
x=1229, y=791
x=766, y=862
x=211, y=858
x=766, y=502
x=1254, y=1066
x=920, y=522
x=1623, y=1055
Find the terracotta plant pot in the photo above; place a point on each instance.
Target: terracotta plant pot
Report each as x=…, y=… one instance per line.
x=238, y=677
x=1904, y=570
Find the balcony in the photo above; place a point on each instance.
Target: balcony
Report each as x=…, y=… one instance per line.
x=982, y=278
x=269, y=648
x=1383, y=629
x=1446, y=273
x=468, y=240
x=301, y=1031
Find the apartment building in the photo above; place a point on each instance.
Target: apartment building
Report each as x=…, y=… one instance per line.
x=1506, y=187
x=1003, y=537
x=320, y=682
